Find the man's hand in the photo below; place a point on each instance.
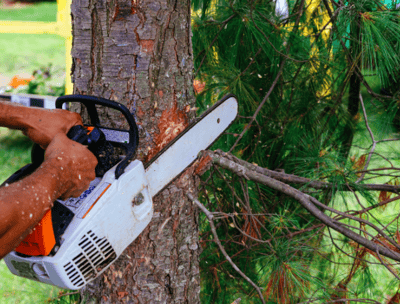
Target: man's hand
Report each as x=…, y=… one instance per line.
x=48, y=123
x=40, y=125
x=75, y=165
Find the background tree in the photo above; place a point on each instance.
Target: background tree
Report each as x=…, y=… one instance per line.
x=295, y=213
x=139, y=53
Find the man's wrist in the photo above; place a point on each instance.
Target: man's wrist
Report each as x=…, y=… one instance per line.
x=51, y=170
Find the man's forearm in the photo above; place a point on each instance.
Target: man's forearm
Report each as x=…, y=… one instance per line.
x=24, y=203
x=40, y=125
x=16, y=116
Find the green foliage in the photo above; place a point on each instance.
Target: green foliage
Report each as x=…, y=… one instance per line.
x=66, y=297
x=14, y=152
x=300, y=128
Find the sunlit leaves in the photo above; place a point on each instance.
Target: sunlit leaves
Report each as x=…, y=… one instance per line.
x=380, y=47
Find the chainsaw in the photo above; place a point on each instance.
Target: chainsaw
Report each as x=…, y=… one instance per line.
x=79, y=238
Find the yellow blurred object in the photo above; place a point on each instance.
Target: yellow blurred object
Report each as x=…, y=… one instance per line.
x=317, y=18
x=314, y=9
x=61, y=27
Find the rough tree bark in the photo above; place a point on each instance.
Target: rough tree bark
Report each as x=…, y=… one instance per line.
x=138, y=52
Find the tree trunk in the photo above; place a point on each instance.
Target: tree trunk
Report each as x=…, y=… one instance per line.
x=139, y=53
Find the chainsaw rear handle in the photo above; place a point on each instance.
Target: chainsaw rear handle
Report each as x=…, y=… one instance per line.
x=90, y=103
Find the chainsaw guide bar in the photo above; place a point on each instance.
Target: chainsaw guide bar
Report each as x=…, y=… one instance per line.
x=183, y=150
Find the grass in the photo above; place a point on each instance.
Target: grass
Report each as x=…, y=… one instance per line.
x=14, y=289
x=25, y=53
x=17, y=290
x=14, y=152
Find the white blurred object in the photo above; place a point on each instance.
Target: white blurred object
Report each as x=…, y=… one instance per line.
x=282, y=9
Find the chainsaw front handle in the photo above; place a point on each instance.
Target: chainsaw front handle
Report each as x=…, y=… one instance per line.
x=90, y=103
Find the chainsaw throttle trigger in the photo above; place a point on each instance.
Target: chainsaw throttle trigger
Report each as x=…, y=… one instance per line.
x=125, y=139
x=96, y=141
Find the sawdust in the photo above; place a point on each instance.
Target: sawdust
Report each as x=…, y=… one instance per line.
x=147, y=46
x=171, y=123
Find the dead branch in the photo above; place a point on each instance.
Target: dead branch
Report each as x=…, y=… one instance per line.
x=305, y=200
x=318, y=185
x=374, y=142
x=221, y=248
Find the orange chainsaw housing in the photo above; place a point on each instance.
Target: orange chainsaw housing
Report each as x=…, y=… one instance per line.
x=41, y=240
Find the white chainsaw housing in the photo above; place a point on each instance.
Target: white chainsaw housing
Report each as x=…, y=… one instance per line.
x=108, y=217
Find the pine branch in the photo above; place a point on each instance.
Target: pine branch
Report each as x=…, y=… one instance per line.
x=333, y=17
x=274, y=83
x=357, y=219
x=350, y=60
x=305, y=200
x=271, y=44
x=318, y=185
x=254, y=117
x=212, y=43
